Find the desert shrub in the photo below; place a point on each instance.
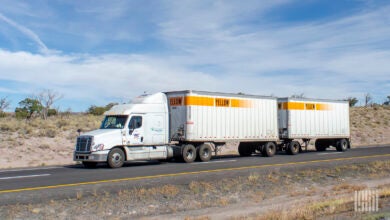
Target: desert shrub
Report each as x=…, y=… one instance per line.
x=96, y=110
x=3, y=114
x=52, y=112
x=62, y=123
x=49, y=132
x=21, y=113
x=99, y=110
x=6, y=127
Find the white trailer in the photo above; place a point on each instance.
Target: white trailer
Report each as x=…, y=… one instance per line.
x=326, y=121
x=207, y=120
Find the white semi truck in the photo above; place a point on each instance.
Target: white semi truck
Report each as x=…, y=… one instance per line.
x=190, y=125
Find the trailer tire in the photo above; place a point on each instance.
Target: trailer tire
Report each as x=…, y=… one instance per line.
x=116, y=158
x=342, y=145
x=89, y=164
x=204, y=152
x=293, y=148
x=320, y=146
x=269, y=149
x=189, y=153
x=244, y=150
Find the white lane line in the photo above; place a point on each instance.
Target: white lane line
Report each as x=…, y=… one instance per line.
x=28, y=169
x=21, y=177
x=216, y=161
x=330, y=153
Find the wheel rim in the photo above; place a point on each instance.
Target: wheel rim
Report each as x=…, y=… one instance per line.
x=295, y=147
x=205, y=153
x=270, y=150
x=116, y=158
x=189, y=154
x=344, y=145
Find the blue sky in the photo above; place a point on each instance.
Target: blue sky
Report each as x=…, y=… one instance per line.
x=97, y=52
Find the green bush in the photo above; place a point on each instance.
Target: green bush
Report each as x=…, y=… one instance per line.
x=51, y=112
x=21, y=113
x=99, y=110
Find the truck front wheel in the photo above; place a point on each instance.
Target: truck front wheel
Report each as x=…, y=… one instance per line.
x=116, y=158
x=189, y=153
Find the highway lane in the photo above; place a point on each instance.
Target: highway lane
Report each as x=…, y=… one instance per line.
x=33, y=179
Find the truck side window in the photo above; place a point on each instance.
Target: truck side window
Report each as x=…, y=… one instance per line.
x=135, y=122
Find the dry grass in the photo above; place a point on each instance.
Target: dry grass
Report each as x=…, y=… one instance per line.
x=370, y=125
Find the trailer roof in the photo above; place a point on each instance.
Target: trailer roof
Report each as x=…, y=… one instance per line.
x=312, y=99
x=239, y=95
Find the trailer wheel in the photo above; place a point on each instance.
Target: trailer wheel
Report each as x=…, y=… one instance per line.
x=204, y=152
x=342, y=145
x=293, y=147
x=189, y=153
x=269, y=149
x=244, y=150
x=116, y=158
x=320, y=146
x=89, y=164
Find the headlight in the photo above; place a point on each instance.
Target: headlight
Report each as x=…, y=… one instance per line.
x=98, y=147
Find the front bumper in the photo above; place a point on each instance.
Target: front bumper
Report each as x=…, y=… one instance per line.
x=99, y=156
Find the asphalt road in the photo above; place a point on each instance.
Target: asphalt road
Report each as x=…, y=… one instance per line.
x=24, y=184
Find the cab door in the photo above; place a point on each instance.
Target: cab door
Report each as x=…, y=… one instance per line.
x=136, y=130
x=135, y=133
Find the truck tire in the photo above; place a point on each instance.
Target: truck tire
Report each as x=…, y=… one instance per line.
x=204, y=152
x=269, y=149
x=89, y=164
x=293, y=147
x=320, y=146
x=342, y=145
x=244, y=150
x=189, y=153
x=116, y=158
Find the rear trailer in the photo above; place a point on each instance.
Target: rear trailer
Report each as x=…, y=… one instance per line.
x=208, y=118
x=325, y=121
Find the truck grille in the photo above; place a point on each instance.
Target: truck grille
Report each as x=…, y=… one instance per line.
x=84, y=143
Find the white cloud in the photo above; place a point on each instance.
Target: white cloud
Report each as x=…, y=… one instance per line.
x=27, y=32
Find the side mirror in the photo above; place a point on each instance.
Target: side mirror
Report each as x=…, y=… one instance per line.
x=131, y=131
x=79, y=131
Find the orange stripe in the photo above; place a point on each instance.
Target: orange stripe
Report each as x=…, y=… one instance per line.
x=218, y=102
x=295, y=106
x=199, y=100
x=323, y=107
x=240, y=103
x=304, y=106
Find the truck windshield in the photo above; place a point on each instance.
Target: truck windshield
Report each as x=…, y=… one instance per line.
x=114, y=122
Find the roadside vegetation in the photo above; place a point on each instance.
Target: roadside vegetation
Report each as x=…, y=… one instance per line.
x=308, y=193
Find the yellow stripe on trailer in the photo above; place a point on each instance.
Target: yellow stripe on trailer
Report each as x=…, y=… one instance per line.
x=304, y=106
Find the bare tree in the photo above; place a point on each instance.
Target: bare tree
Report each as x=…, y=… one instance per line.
x=4, y=104
x=47, y=98
x=367, y=99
